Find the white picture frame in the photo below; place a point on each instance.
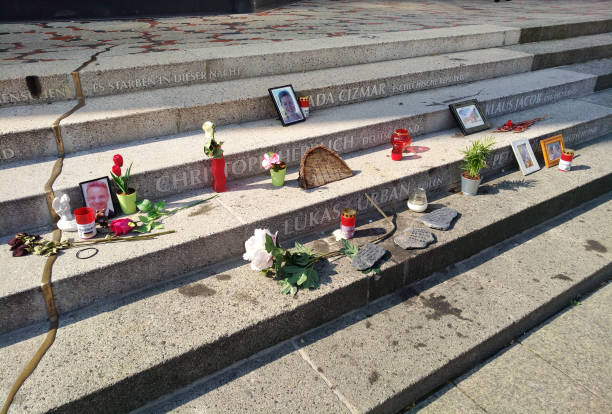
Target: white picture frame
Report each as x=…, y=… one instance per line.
x=524, y=156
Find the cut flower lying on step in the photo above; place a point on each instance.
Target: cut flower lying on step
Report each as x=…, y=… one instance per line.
x=293, y=269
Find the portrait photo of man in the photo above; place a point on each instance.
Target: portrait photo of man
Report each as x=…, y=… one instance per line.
x=554, y=150
x=286, y=105
x=97, y=195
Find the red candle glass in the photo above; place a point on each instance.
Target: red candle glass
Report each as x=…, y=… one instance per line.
x=396, y=152
x=402, y=137
x=347, y=222
x=86, y=222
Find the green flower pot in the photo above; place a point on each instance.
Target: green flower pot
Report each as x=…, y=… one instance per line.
x=127, y=202
x=278, y=177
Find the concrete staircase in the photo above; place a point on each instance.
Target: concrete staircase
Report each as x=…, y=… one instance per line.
x=141, y=320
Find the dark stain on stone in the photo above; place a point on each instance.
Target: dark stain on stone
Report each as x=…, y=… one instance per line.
x=245, y=297
x=223, y=277
x=535, y=280
x=581, y=221
x=460, y=335
x=320, y=246
x=593, y=245
x=561, y=276
x=394, y=343
x=203, y=209
x=374, y=376
x=441, y=307
x=368, y=324
x=163, y=342
x=320, y=369
x=442, y=337
x=450, y=325
x=420, y=345
x=196, y=289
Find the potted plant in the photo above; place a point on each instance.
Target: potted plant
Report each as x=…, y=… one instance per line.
x=126, y=195
x=213, y=150
x=474, y=161
x=271, y=161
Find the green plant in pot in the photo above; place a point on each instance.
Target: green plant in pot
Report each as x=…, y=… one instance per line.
x=475, y=159
x=125, y=195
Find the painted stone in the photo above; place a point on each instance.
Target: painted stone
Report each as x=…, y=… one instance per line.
x=414, y=238
x=367, y=256
x=440, y=219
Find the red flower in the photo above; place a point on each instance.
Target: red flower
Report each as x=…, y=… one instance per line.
x=509, y=124
x=116, y=170
x=120, y=226
x=118, y=160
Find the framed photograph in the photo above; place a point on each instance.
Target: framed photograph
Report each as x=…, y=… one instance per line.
x=469, y=116
x=551, y=150
x=97, y=195
x=524, y=155
x=286, y=105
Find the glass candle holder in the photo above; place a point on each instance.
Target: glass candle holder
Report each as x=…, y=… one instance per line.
x=396, y=152
x=402, y=137
x=417, y=200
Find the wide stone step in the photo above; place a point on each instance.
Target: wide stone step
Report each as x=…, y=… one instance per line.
x=253, y=203
x=564, y=52
x=393, y=352
x=115, y=71
x=119, y=355
x=175, y=164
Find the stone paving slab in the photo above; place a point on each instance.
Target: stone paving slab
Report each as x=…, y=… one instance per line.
x=251, y=203
x=563, y=52
x=600, y=98
x=601, y=68
x=254, y=388
x=578, y=348
x=448, y=399
x=536, y=386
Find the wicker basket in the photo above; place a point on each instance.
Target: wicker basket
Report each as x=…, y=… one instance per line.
x=320, y=166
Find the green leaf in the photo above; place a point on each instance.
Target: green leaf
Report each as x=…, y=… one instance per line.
x=144, y=219
x=303, y=278
x=153, y=214
x=294, y=269
x=349, y=250
x=300, y=248
x=145, y=206
x=157, y=225
x=294, y=278
x=294, y=290
x=301, y=259
x=145, y=228
x=286, y=288
x=160, y=205
x=269, y=243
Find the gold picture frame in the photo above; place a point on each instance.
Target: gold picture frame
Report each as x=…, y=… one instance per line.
x=552, y=148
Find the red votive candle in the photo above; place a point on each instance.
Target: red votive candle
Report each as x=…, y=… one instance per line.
x=86, y=222
x=396, y=152
x=565, y=164
x=347, y=222
x=305, y=105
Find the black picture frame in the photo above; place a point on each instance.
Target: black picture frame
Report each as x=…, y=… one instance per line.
x=85, y=186
x=468, y=126
x=276, y=94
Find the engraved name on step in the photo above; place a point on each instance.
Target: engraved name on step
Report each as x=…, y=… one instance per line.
x=306, y=220
x=46, y=94
x=518, y=103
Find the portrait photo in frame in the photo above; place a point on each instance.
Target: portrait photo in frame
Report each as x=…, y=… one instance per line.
x=552, y=148
x=469, y=116
x=525, y=157
x=97, y=194
x=286, y=105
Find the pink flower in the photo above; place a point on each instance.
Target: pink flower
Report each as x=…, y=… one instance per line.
x=269, y=159
x=121, y=226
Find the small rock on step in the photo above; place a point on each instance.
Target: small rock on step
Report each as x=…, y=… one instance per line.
x=440, y=219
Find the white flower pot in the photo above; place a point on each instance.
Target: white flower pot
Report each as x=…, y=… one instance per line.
x=468, y=186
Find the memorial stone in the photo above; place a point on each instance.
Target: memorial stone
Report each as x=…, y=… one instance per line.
x=440, y=219
x=367, y=256
x=414, y=238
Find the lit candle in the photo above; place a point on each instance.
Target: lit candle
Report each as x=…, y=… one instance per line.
x=347, y=222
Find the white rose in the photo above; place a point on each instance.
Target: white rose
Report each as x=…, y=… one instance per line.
x=257, y=242
x=209, y=133
x=261, y=260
